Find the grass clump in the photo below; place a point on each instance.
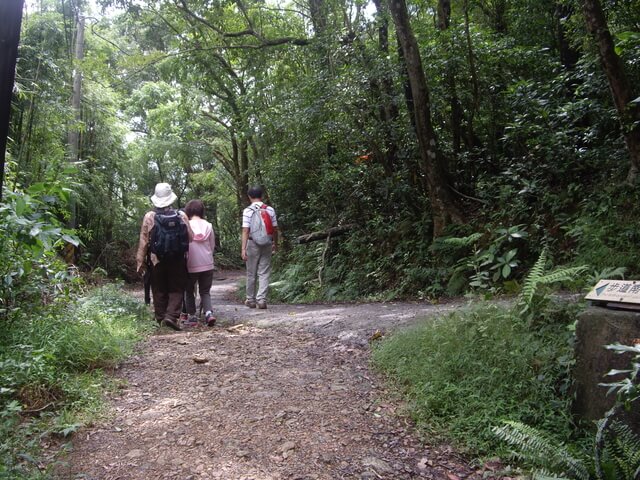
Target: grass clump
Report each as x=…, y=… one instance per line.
x=466, y=372
x=52, y=371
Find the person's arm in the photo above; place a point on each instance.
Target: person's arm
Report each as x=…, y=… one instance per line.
x=143, y=243
x=244, y=241
x=274, y=222
x=186, y=220
x=212, y=240
x=274, y=245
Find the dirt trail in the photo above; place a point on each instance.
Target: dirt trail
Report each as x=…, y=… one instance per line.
x=285, y=393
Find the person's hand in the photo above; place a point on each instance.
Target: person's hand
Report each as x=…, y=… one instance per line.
x=141, y=270
x=274, y=248
x=244, y=255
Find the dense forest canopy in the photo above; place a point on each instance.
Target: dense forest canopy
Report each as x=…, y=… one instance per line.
x=451, y=139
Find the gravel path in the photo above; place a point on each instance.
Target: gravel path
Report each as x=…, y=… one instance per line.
x=285, y=393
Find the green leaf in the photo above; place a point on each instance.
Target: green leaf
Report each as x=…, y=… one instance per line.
x=21, y=206
x=72, y=239
x=70, y=429
x=506, y=271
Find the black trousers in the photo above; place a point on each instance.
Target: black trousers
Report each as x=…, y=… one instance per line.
x=168, y=282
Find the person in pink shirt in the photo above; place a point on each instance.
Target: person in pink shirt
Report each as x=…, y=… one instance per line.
x=199, y=264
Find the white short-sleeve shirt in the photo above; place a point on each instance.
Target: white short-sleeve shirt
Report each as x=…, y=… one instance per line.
x=248, y=212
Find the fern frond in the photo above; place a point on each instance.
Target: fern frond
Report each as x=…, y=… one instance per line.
x=462, y=241
x=607, y=273
x=530, y=284
x=540, y=449
x=561, y=275
x=544, y=475
x=624, y=450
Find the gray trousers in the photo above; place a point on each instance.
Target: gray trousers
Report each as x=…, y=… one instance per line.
x=204, y=280
x=258, y=268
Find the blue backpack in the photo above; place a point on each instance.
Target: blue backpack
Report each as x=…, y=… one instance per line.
x=169, y=236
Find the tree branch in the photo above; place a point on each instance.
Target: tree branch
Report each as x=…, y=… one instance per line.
x=330, y=232
x=264, y=42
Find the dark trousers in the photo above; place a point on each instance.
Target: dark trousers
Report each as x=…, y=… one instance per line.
x=204, y=281
x=168, y=281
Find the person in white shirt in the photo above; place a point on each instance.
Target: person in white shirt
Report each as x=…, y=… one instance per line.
x=257, y=257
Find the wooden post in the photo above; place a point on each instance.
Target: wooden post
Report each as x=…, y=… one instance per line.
x=10, y=22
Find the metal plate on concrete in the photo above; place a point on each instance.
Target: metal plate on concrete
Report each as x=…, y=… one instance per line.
x=621, y=291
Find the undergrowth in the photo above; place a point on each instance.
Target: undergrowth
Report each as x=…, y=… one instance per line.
x=465, y=372
x=52, y=372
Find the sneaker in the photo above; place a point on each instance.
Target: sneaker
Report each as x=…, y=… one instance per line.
x=183, y=317
x=191, y=321
x=250, y=303
x=167, y=322
x=209, y=319
x=262, y=305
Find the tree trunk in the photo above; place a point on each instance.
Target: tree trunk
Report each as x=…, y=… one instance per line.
x=244, y=167
x=10, y=22
x=444, y=14
x=76, y=97
x=471, y=138
x=384, y=93
x=569, y=56
x=444, y=19
x=629, y=113
x=444, y=205
x=76, y=100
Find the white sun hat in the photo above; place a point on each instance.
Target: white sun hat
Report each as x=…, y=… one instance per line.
x=163, y=196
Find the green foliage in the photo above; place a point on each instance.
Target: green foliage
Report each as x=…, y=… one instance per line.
x=616, y=448
x=619, y=460
x=51, y=364
x=627, y=390
x=491, y=263
x=538, y=448
x=534, y=297
x=30, y=234
x=463, y=371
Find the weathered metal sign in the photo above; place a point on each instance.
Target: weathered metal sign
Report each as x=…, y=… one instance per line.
x=619, y=291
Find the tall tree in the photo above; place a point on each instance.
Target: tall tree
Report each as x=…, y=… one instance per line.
x=76, y=96
x=76, y=101
x=628, y=109
x=444, y=203
x=10, y=22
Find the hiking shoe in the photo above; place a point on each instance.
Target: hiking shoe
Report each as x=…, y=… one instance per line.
x=262, y=305
x=167, y=322
x=209, y=319
x=250, y=303
x=191, y=321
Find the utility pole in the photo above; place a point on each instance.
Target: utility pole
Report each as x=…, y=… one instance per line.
x=10, y=22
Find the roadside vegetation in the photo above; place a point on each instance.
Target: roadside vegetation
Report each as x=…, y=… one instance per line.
x=449, y=144
x=61, y=334
x=496, y=380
